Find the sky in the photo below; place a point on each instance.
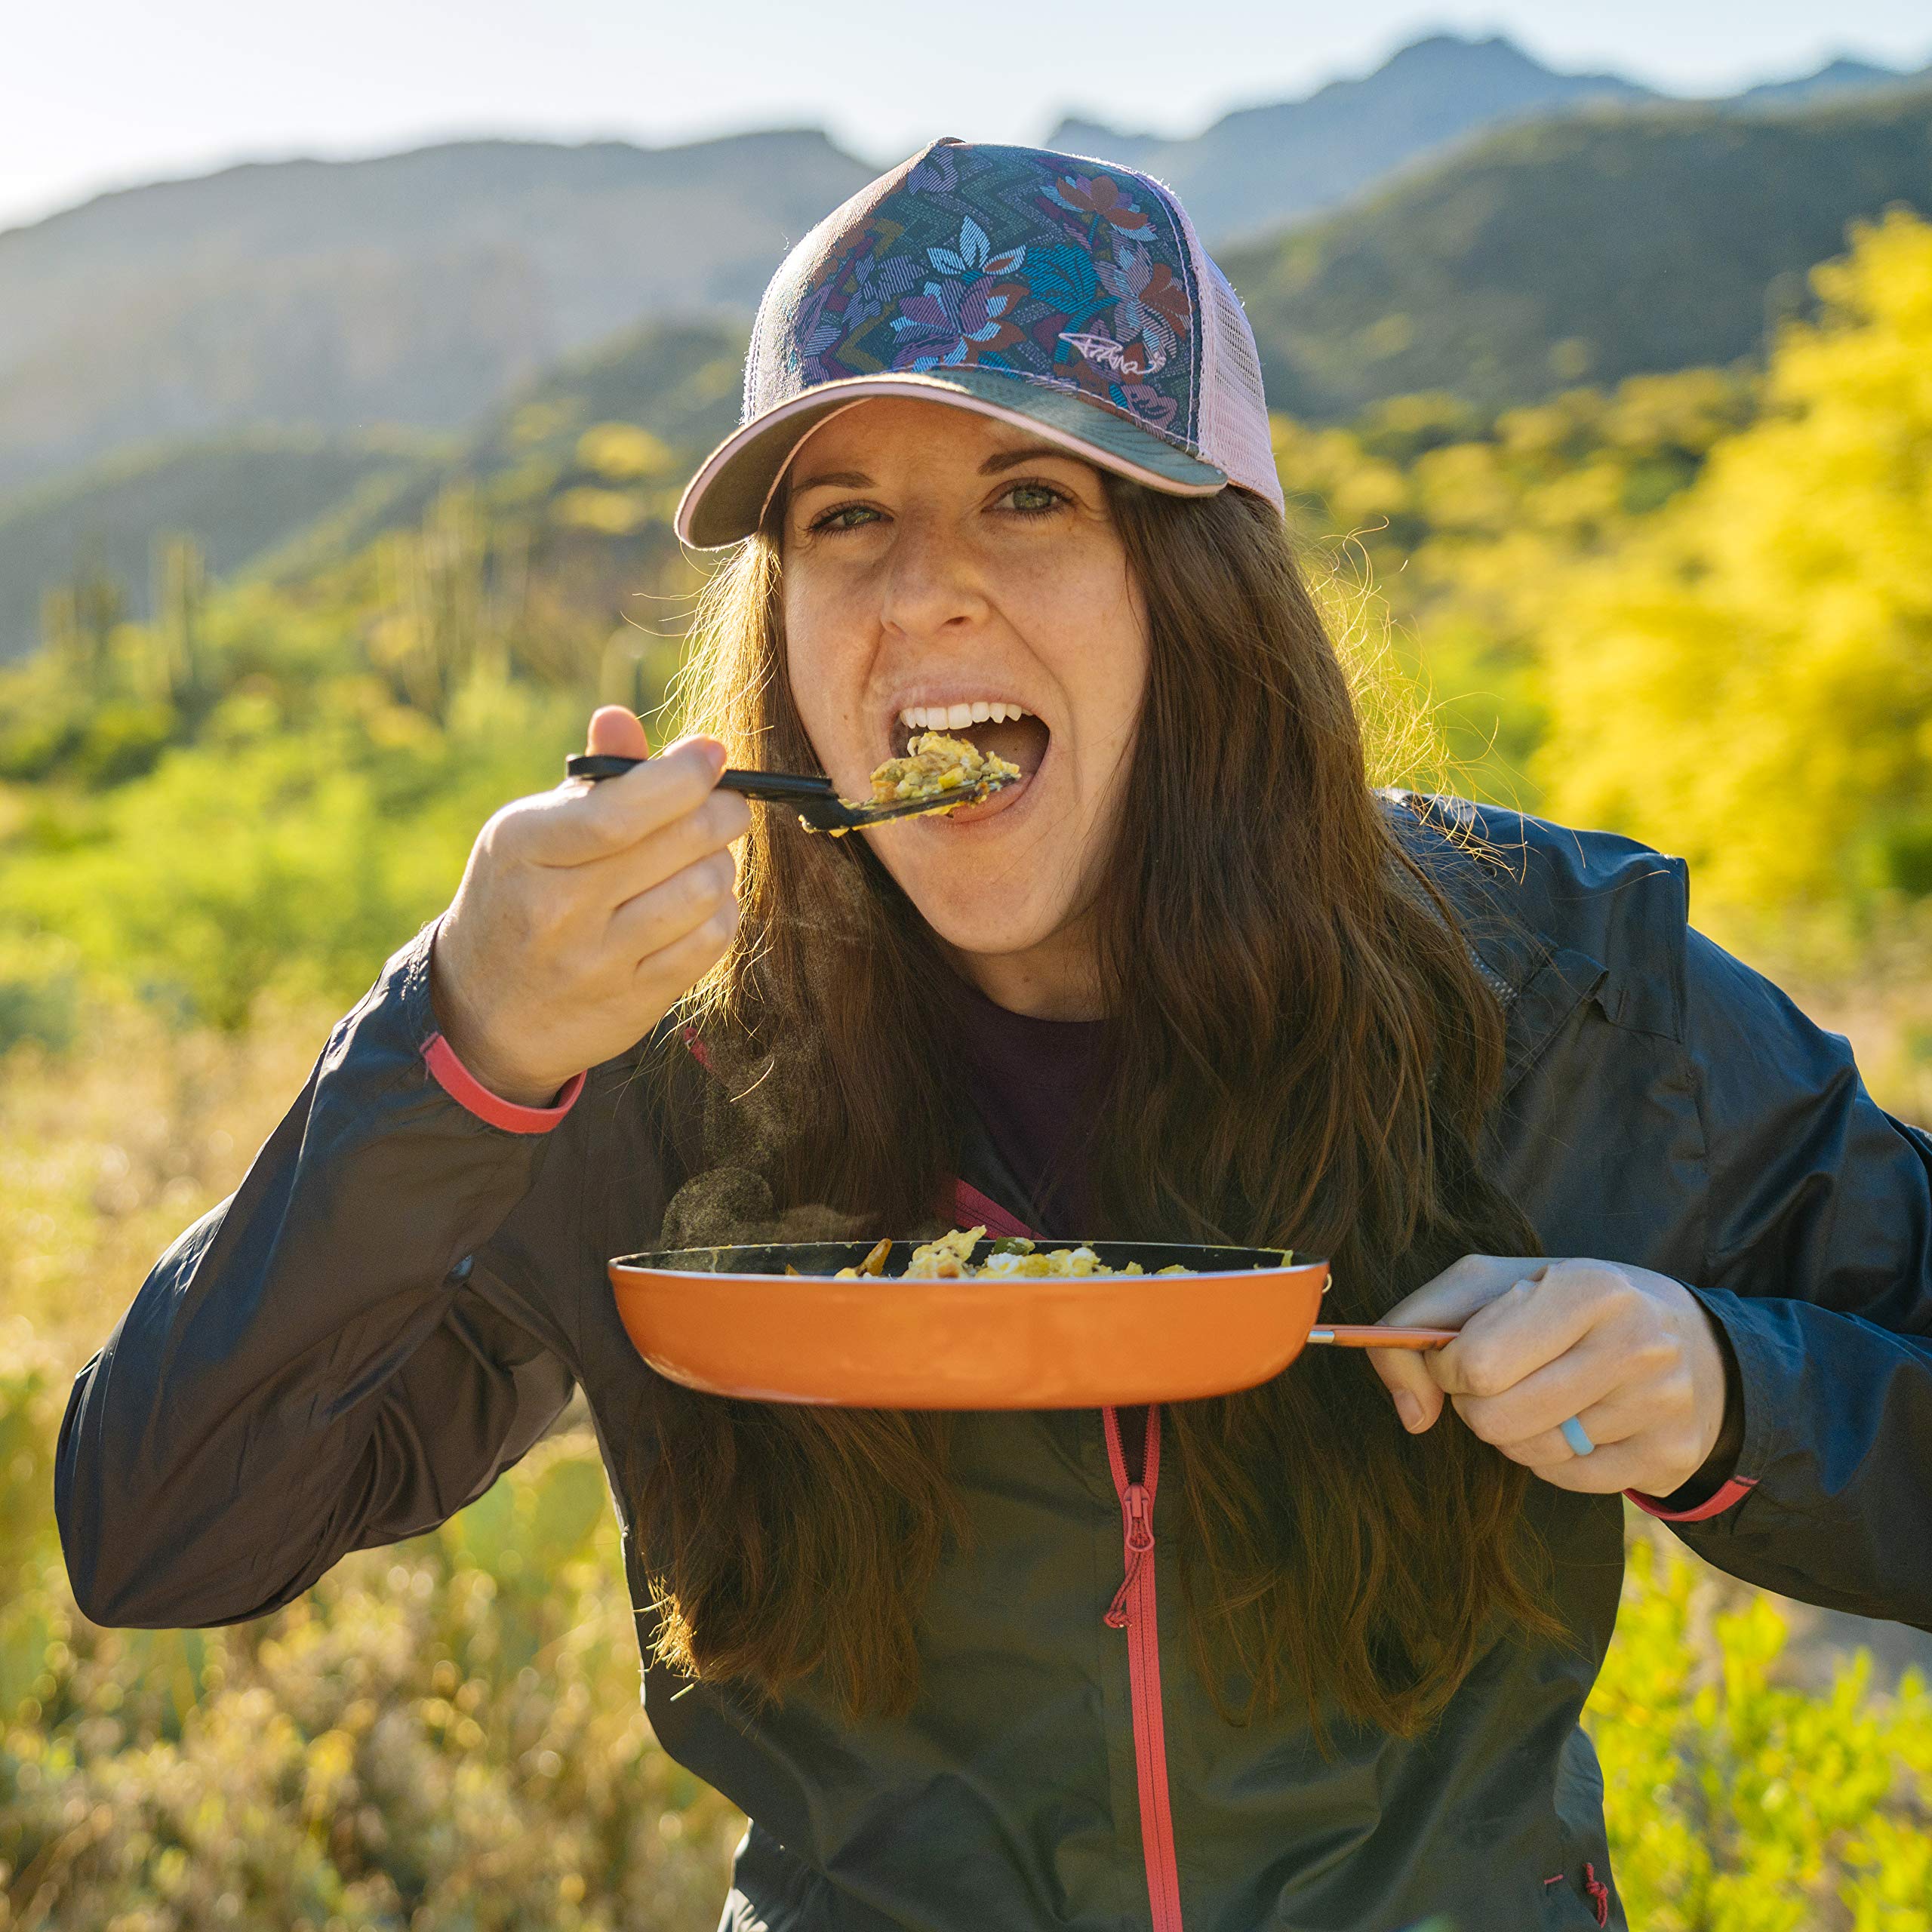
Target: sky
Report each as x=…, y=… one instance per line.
x=105, y=94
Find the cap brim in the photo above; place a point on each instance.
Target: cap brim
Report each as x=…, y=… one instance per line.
x=725, y=500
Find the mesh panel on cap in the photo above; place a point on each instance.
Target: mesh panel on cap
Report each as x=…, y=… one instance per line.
x=1234, y=412
x=1233, y=428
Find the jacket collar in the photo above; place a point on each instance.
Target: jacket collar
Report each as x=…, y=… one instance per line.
x=1539, y=983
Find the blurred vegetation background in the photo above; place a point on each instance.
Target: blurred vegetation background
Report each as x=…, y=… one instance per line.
x=1617, y=522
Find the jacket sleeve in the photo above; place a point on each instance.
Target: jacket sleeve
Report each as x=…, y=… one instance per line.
x=1819, y=1265
x=345, y=1352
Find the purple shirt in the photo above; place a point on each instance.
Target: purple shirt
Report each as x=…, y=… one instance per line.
x=1035, y=1081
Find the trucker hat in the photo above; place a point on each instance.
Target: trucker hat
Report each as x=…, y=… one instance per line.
x=1068, y=296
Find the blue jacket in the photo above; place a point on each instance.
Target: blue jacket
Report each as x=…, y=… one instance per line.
x=404, y=1293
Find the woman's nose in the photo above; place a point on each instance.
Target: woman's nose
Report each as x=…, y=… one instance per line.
x=931, y=581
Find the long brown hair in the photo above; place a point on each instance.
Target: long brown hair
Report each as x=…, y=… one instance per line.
x=1304, y=1054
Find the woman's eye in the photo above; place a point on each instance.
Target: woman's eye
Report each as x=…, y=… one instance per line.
x=846, y=516
x=1033, y=498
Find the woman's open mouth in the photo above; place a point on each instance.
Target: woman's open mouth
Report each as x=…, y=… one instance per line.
x=998, y=727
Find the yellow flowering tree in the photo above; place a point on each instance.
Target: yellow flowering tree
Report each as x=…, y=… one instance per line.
x=1748, y=679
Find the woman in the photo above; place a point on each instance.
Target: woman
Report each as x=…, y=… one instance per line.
x=1005, y=465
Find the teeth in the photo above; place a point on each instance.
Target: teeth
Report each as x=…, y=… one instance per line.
x=955, y=717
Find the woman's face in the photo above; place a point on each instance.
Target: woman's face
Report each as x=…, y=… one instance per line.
x=934, y=559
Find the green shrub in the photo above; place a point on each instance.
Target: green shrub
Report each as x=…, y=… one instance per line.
x=271, y=860
x=40, y=991
x=1737, y=1804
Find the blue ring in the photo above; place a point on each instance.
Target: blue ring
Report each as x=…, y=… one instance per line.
x=1577, y=1437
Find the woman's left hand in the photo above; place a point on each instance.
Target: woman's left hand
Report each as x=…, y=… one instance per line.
x=1631, y=1355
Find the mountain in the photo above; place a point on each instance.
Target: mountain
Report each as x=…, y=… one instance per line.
x=415, y=289
x=1841, y=76
x=420, y=288
x=289, y=504
x=1583, y=249
x=1262, y=166
x=679, y=382
x=238, y=497
x=1530, y=257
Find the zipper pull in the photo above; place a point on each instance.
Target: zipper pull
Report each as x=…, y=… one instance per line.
x=1138, y=1539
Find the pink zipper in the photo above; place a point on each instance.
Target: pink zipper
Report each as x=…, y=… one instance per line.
x=1132, y=1610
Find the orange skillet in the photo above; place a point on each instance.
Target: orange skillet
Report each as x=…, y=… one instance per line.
x=732, y=1321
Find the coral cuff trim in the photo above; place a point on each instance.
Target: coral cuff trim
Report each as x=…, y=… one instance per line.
x=462, y=1086
x=1711, y=1506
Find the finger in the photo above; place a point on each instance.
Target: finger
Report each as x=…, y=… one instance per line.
x=1417, y=1396
x=571, y=826
x=1552, y=1447
x=617, y=733
x=1522, y=1330
x=1443, y=1302
x=1599, y=1371
x=680, y=965
x=1449, y=1299
x=1659, y=1411
x=711, y=827
x=661, y=916
x=1608, y=1467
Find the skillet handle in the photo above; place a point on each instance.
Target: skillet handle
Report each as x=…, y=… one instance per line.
x=1372, y=1335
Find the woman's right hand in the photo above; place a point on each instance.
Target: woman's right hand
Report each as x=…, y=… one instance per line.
x=585, y=912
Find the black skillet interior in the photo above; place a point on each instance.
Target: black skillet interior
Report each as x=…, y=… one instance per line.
x=827, y=1257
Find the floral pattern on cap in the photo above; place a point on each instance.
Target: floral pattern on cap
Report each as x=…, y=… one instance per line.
x=1056, y=270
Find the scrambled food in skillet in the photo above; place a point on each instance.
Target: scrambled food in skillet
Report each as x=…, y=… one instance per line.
x=950, y=1257
x=935, y=765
